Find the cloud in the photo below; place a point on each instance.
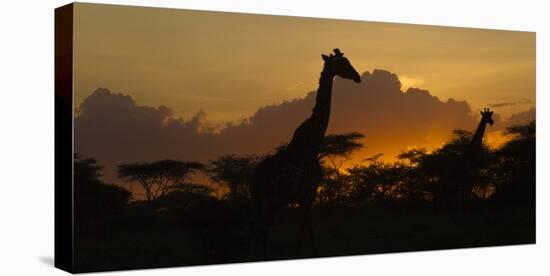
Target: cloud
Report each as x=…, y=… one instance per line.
x=503, y=104
x=525, y=101
x=114, y=129
x=496, y=136
x=521, y=118
x=496, y=105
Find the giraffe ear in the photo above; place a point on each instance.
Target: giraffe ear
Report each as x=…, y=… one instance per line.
x=325, y=57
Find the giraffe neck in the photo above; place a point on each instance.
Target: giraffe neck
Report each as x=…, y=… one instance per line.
x=321, y=111
x=308, y=137
x=478, y=136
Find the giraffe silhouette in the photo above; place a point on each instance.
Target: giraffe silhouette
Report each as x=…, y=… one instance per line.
x=456, y=189
x=472, y=158
x=470, y=164
x=486, y=118
x=293, y=173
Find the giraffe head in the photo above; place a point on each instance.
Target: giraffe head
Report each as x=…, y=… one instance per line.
x=487, y=116
x=340, y=66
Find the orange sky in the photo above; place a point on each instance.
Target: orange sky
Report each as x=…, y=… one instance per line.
x=231, y=64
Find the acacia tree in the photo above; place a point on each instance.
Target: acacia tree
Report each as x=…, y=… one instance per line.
x=160, y=177
x=235, y=172
x=335, y=151
x=341, y=145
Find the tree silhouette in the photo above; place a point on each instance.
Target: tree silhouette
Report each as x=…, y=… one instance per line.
x=159, y=177
x=235, y=172
x=340, y=145
x=184, y=196
x=336, y=149
x=516, y=170
x=441, y=171
x=94, y=200
x=379, y=183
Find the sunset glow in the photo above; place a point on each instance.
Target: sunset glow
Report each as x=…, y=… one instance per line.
x=210, y=69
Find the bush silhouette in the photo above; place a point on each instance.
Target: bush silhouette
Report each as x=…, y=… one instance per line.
x=95, y=201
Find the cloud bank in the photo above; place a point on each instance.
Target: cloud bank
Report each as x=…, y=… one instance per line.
x=114, y=129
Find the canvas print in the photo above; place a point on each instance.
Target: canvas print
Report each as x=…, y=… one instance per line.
x=195, y=137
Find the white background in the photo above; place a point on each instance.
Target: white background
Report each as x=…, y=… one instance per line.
x=26, y=136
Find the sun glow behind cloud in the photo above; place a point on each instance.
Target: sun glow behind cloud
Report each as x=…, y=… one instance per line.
x=408, y=82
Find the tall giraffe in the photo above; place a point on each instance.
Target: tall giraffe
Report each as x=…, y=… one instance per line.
x=293, y=173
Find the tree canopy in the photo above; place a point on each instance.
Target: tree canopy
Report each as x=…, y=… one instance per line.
x=159, y=177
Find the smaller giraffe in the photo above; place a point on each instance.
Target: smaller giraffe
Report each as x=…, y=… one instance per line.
x=456, y=189
x=486, y=118
x=472, y=157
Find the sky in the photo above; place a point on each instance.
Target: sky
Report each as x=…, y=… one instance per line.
x=231, y=64
x=154, y=83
